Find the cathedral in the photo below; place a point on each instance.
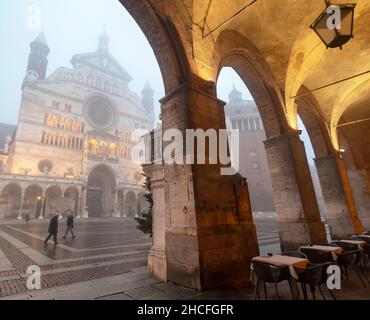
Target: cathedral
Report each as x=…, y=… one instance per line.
x=73, y=146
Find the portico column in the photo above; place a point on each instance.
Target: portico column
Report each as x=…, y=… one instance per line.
x=360, y=191
x=210, y=237
x=157, y=262
x=21, y=206
x=85, y=213
x=294, y=195
x=124, y=206
x=41, y=216
x=341, y=211
x=116, y=212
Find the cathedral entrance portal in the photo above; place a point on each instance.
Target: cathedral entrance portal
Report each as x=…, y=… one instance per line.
x=101, y=186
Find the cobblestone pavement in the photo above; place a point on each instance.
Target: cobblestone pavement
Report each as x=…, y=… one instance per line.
x=101, y=248
x=108, y=260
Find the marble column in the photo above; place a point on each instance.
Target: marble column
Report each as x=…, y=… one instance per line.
x=157, y=261
x=21, y=206
x=116, y=213
x=41, y=216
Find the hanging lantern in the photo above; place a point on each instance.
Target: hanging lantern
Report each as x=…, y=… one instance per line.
x=334, y=26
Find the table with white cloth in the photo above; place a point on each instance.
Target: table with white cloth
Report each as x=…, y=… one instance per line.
x=359, y=243
x=365, y=236
x=334, y=251
x=283, y=262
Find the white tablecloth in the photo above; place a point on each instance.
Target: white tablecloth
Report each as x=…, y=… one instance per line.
x=360, y=243
x=333, y=250
x=283, y=261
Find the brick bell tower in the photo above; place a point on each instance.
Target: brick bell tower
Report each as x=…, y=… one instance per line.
x=37, y=59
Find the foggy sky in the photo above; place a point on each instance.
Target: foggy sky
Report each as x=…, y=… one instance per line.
x=73, y=26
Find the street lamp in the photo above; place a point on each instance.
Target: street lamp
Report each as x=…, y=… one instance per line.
x=334, y=26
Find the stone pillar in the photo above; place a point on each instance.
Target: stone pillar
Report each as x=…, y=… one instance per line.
x=116, y=212
x=85, y=213
x=294, y=195
x=340, y=209
x=210, y=236
x=360, y=191
x=124, y=214
x=157, y=262
x=41, y=216
x=21, y=206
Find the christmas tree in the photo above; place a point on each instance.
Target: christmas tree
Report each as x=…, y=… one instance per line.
x=145, y=221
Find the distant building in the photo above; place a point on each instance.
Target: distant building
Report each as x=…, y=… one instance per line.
x=243, y=115
x=72, y=147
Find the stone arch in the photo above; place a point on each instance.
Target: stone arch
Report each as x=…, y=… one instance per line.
x=165, y=42
x=10, y=200
x=53, y=195
x=33, y=201
x=309, y=111
x=131, y=205
x=250, y=65
x=101, y=186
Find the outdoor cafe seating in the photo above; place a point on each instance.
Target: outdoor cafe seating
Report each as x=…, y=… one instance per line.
x=308, y=266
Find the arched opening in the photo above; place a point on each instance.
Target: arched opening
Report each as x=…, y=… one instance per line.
x=10, y=200
x=131, y=204
x=242, y=114
x=53, y=203
x=33, y=201
x=101, y=186
x=71, y=197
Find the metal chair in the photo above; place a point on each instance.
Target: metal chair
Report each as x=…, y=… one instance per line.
x=350, y=259
x=270, y=273
x=317, y=256
x=313, y=276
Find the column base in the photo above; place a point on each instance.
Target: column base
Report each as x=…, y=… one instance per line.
x=41, y=217
x=157, y=264
x=116, y=214
x=19, y=218
x=85, y=214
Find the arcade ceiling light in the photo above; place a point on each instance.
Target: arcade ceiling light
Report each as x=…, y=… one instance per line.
x=334, y=26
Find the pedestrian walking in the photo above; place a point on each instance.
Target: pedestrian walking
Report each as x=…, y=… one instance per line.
x=70, y=225
x=53, y=229
x=27, y=218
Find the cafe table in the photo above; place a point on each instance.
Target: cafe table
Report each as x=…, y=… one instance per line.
x=334, y=251
x=283, y=261
x=359, y=243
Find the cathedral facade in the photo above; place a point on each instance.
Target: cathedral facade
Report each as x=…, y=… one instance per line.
x=73, y=146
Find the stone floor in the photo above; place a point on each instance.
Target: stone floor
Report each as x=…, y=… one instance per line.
x=108, y=260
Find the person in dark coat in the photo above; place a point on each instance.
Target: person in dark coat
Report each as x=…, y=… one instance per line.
x=70, y=225
x=53, y=229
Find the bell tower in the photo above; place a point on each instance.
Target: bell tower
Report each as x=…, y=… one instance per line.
x=148, y=99
x=37, y=59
